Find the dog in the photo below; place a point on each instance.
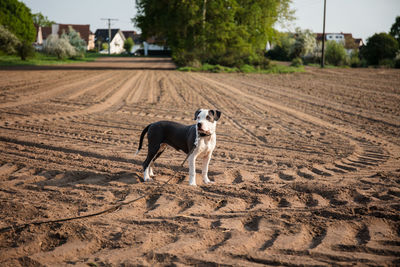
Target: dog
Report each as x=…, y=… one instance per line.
x=197, y=140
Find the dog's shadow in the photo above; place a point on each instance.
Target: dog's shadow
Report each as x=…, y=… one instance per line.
x=73, y=178
x=76, y=178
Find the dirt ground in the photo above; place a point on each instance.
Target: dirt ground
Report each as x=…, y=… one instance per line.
x=306, y=168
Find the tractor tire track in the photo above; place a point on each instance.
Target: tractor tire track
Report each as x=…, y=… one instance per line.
x=294, y=183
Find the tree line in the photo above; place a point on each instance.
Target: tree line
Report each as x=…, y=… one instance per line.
x=235, y=32
x=225, y=32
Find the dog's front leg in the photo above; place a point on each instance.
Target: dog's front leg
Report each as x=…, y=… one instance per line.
x=192, y=169
x=204, y=171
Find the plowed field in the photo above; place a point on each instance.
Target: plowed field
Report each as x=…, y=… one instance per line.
x=306, y=168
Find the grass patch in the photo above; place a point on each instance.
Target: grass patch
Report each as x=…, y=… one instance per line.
x=41, y=59
x=209, y=68
x=328, y=66
x=273, y=69
x=281, y=69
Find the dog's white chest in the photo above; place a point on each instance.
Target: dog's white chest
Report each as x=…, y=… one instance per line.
x=206, y=145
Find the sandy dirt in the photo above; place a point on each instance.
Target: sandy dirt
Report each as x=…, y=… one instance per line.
x=306, y=168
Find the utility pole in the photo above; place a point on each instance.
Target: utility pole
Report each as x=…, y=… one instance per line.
x=109, y=33
x=204, y=25
x=323, y=39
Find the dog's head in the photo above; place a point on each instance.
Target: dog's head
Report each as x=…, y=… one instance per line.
x=207, y=120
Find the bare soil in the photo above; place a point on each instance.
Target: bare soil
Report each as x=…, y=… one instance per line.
x=306, y=168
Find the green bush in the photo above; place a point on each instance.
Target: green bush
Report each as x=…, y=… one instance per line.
x=297, y=62
x=335, y=53
x=104, y=46
x=186, y=58
x=209, y=68
x=283, y=49
x=387, y=63
x=397, y=63
x=304, y=45
x=128, y=44
x=363, y=63
x=76, y=42
x=355, y=62
x=380, y=46
x=355, y=59
x=247, y=68
x=8, y=41
x=59, y=47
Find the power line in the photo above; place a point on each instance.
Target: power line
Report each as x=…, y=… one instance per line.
x=323, y=38
x=109, y=33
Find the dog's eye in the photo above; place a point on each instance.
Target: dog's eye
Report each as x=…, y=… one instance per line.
x=208, y=118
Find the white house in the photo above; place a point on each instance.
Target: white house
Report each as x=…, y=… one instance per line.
x=349, y=42
x=116, y=43
x=337, y=37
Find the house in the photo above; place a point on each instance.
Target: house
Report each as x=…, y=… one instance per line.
x=116, y=42
x=59, y=29
x=154, y=47
x=346, y=39
x=41, y=34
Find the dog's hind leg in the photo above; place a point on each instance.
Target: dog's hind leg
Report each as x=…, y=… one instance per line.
x=151, y=154
x=160, y=151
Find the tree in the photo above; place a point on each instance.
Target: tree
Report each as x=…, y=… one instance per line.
x=42, y=21
x=128, y=44
x=282, y=50
x=8, y=41
x=395, y=29
x=228, y=32
x=305, y=43
x=60, y=47
x=335, y=53
x=380, y=46
x=76, y=41
x=25, y=50
x=17, y=18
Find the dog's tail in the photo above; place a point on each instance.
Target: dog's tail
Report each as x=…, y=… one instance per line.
x=141, y=138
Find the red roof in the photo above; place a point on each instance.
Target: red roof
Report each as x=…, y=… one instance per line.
x=84, y=30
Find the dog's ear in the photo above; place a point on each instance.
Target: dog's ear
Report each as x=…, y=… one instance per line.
x=196, y=114
x=217, y=115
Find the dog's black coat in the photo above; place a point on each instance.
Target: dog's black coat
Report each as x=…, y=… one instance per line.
x=179, y=136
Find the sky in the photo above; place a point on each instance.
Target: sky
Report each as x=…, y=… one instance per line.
x=362, y=18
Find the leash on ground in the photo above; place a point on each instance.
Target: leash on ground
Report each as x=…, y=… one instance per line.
x=105, y=211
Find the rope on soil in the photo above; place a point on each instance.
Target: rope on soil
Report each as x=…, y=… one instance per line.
x=105, y=211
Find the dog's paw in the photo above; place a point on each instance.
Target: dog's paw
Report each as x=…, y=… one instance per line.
x=207, y=181
x=148, y=180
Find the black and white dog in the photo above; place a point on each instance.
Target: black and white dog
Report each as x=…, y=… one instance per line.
x=198, y=139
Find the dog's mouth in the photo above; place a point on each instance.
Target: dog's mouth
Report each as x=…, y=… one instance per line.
x=203, y=133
